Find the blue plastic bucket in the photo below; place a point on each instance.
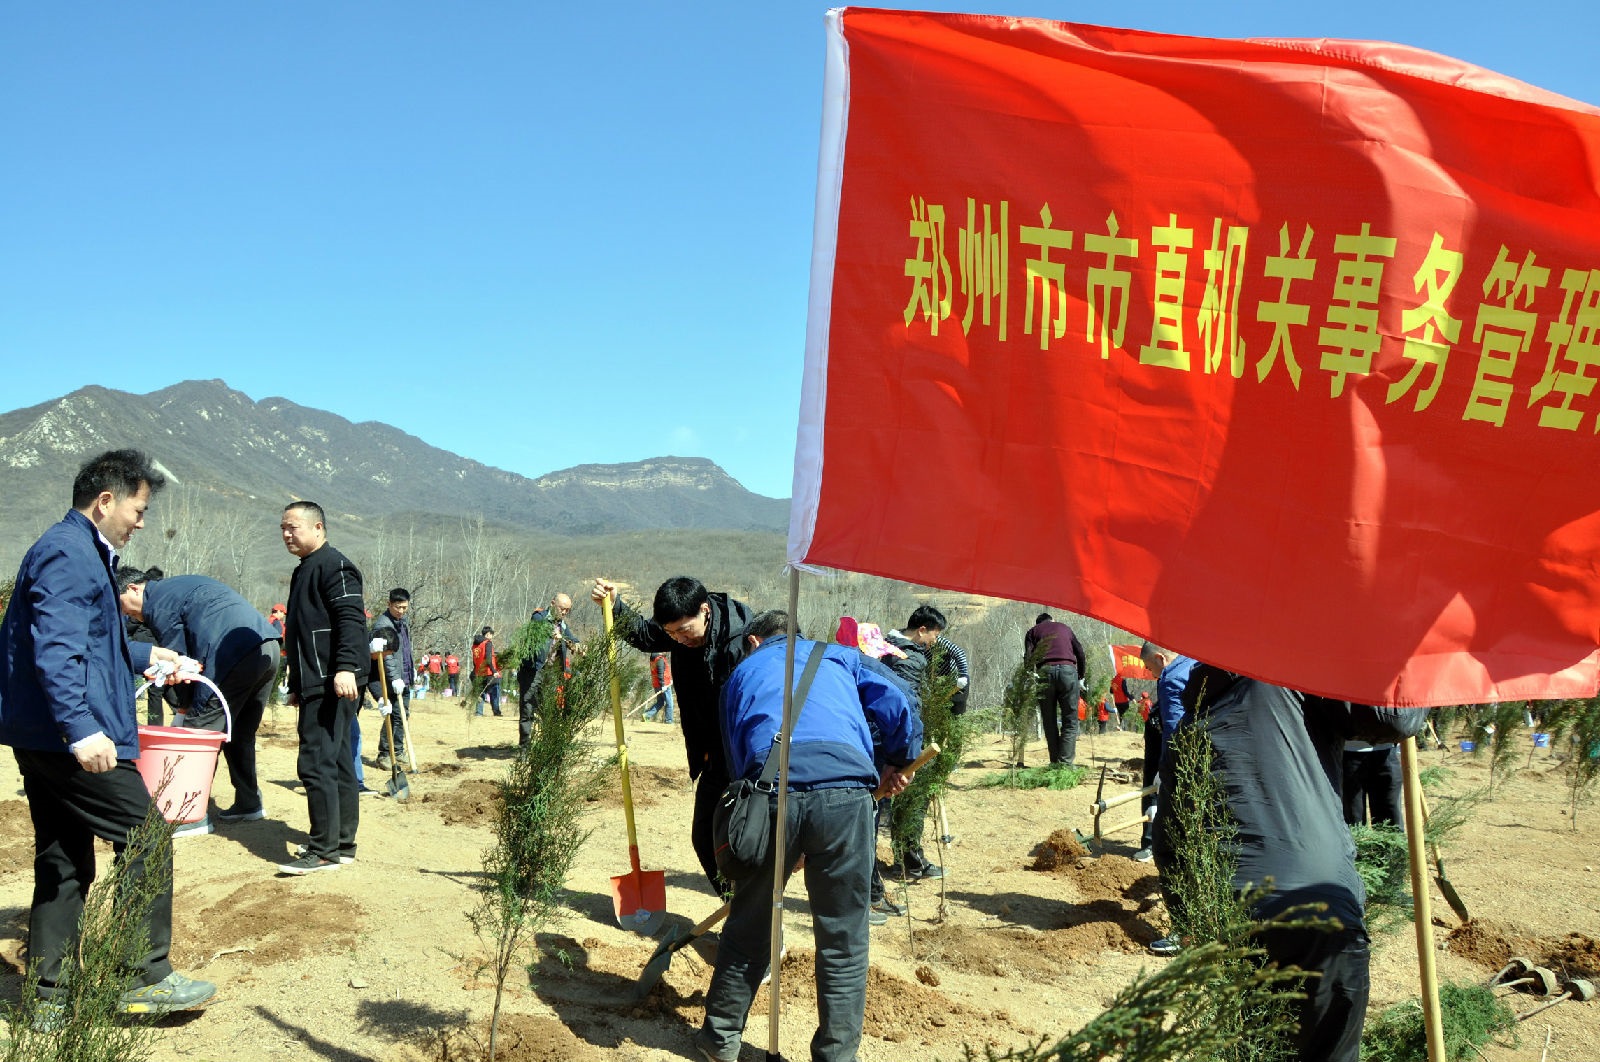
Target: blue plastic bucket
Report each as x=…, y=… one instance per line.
x=1468, y=746
x=1541, y=741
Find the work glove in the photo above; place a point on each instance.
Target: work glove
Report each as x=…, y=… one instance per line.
x=378, y=645
x=385, y=708
x=398, y=685
x=961, y=682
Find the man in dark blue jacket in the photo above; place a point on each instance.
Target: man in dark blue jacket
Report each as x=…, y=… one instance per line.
x=209, y=621
x=67, y=710
x=1276, y=753
x=832, y=775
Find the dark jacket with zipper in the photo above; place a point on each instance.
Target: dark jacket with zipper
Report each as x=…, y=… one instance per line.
x=326, y=629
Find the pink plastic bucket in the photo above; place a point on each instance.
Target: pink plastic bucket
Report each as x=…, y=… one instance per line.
x=192, y=755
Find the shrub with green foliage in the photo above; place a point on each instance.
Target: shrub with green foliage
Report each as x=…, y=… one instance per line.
x=953, y=734
x=1576, y=724
x=1019, y=704
x=1046, y=776
x=1472, y=1015
x=537, y=831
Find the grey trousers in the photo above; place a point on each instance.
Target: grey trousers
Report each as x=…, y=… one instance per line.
x=832, y=828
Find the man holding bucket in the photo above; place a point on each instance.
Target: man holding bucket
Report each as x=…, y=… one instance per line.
x=208, y=620
x=67, y=710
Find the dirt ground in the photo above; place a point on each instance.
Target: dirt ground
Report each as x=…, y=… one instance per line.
x=376, y=961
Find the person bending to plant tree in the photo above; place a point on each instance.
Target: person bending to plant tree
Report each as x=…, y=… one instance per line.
x=698, y=629
x=1276, y=754
x=828, y=822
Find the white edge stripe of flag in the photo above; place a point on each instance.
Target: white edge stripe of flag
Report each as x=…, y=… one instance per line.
x=807, y=486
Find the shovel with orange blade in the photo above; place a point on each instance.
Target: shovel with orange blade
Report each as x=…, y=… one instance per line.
x=639, y=896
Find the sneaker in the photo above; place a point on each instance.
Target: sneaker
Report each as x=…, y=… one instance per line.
x=1166, y=946
x=362, y=790
x=193, y=829
x=702, y=1045
x=888, y=908
x=1143, y=855
x=233, y=814
x=383, y=762
x=308, y=864
x=876, y=917
x=303, y=850
x=172, y=992
x=930, y=872
x=48, y=1016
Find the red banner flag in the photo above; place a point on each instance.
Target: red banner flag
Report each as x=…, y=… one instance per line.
x=1280, y=352
x=1127, y=664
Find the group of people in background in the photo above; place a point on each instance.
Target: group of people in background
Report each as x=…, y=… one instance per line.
x=717, y=664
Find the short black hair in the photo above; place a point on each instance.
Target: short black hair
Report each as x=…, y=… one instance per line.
x=119, y=471
x=399, y=593
x=678, y=598
x=310, y=507
x=926, y=616
x=128, y=575
x=768, y=624
x=1043, y=617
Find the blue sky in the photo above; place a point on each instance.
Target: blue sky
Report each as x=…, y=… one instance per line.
x=536, y=235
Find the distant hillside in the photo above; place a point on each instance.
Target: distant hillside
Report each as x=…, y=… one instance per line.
x=211, y=438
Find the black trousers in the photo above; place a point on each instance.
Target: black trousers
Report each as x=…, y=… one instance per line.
x=246, y=687
x=1152, y=768
x=1335, y=1007
x=1058, y=711
x=70, y=807
x=707, y=789
x=327, y=767
x=1373, y=780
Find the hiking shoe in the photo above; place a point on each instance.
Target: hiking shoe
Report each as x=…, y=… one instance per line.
x=307, y=864
x=172, y=992
x=929, y=872
x=193, y=829
x=1143, y=855
x=234, y=814
x=1166, y=946
x=303, y=850
x=383, y=762
x=876, y=917
x=888, y=908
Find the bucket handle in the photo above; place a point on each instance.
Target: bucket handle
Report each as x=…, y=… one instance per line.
x=227, y=715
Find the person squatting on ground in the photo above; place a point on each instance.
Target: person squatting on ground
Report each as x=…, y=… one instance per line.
x=239, y=650
x=828, y=822
x=399, y=666
x=1062, y=670
x=698, y=629
x=329, y=656
x=1277, y=754
x=555, y=648
x=67, y=710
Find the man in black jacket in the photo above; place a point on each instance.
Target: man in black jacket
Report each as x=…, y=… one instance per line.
x=1277, y=754
x=329, y=656
x=701, y=632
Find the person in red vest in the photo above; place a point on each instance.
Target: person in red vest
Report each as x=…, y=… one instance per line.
x=452, y=668
x=486, y=672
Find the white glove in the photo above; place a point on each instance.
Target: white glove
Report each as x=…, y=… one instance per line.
x=961, y=682
x=378, y=645
x=398, y=685
x=385, y=708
